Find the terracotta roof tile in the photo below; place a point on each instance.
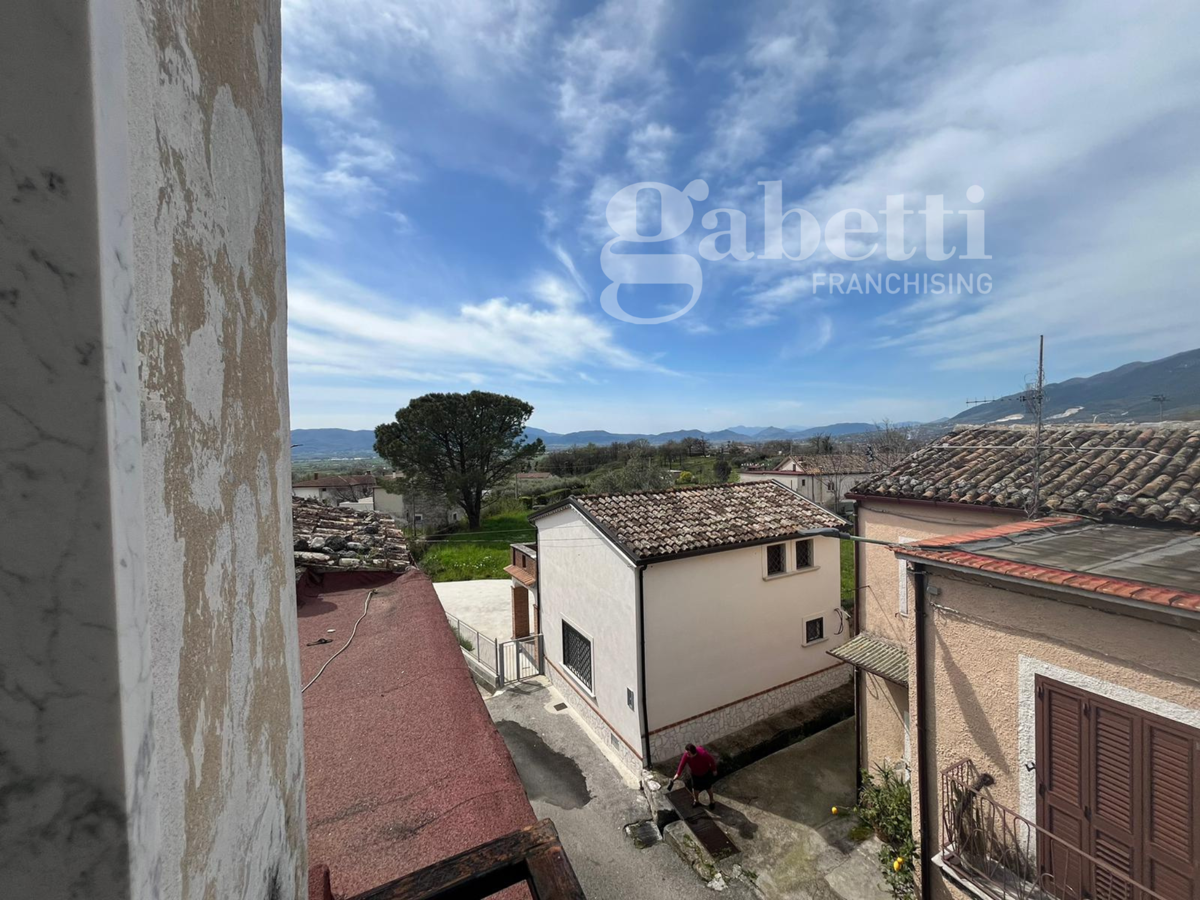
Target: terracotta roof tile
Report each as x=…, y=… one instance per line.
x=1117, y=472
x=652, y=524
x=337, y=537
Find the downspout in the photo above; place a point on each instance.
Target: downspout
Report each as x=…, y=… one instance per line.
x=641, y=608
x=926, y=784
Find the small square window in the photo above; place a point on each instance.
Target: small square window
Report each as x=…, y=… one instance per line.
x=814, y=630
x=776, y=559
x=629, y=697
x=803, y=554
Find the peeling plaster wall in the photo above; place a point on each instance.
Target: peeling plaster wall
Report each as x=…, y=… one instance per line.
x=205, y=135
x=150, y=718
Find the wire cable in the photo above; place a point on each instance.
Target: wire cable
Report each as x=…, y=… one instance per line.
x=353, y=631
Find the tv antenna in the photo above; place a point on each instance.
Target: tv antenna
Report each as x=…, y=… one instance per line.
x=1160, y=399
x=1034, y=397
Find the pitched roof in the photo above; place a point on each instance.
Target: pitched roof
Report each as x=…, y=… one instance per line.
x=1118, y=472
x=886, y=659
x=337, y=481
x=656, y=524
x=1149, y=565
x=336, y=537
x=822, y=464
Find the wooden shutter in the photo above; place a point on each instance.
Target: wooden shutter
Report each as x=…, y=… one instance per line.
x=1121, y=785
x=1061, y=787
x=1113, y=789
x=1171, y=784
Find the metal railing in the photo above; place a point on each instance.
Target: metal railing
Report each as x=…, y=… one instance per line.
x=480, y=646
x=510, y=661
x=520, y=659
x=1007, y=857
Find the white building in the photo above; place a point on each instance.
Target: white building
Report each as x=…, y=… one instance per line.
x=334, y=490
x=417, y=509
x=823, y=479
x=685, y=615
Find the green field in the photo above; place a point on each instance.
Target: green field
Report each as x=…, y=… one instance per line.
x=847, y=548
x=470, y=555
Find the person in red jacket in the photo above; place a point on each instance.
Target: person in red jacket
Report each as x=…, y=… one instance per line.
x=703, y=766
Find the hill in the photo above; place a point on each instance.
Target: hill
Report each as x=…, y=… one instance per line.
x=332, y=443
x=1123, y=394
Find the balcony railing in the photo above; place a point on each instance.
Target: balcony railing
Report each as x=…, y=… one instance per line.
x=1007, y=857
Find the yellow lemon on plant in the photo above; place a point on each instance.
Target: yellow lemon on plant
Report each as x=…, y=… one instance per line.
x=898, y=863
x=835, y=810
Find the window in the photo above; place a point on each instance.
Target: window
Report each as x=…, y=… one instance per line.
x=629, y=697
x=776, y=559
x=577, y=655
x=814, y=630
x=803, y=554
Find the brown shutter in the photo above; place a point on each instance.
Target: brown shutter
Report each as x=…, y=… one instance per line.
x=1171, y=787
x=1112, y=805
x=1123, y=786
x=1061, y=802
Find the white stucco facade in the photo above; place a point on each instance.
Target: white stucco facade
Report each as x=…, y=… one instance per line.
x=584, y=580
x=724, y=642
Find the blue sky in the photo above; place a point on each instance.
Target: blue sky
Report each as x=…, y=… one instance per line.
x=448, y=167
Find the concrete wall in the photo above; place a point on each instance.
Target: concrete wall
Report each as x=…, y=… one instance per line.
x=719, y=632
x=582, y=578
x=433, y=509
x=151, y=740
x=882, y=704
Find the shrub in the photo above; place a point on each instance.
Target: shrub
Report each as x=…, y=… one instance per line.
x=527, y=502
x=685, y=478
x=463, y=642
x=885, y=805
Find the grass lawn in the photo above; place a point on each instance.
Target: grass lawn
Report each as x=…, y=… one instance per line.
x=470, y=555
x=847, y=548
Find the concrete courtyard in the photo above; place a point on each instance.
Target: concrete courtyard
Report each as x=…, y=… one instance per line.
x=570, y=780
x=485, y=605
x=779, y=813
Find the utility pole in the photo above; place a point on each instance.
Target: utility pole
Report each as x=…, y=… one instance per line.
x=1034, y=399
x=1161, y=400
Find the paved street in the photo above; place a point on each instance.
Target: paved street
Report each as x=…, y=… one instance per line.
x=485, y=605
x=779, y=811
x=569, y=780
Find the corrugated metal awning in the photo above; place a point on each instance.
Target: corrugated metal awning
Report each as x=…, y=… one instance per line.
x=875, y=655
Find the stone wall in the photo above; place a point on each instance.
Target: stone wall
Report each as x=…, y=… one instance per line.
x=669, y=742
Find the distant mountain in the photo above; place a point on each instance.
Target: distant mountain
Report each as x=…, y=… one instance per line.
x=1123, y=394
x=332, y=443
x=746, y=430
x=340, y=443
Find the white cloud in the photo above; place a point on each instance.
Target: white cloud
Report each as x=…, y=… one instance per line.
x=321, y=94
x=1079, y=122
x=768, y=80
x=336, y=322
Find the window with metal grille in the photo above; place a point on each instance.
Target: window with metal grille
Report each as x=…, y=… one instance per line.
x=803, y=554
x=814, y=630
x=776, y=559
x=577, y=654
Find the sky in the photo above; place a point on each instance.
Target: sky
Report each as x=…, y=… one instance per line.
x=449, y=167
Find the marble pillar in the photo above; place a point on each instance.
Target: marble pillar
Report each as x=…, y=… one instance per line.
x=150, y=726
